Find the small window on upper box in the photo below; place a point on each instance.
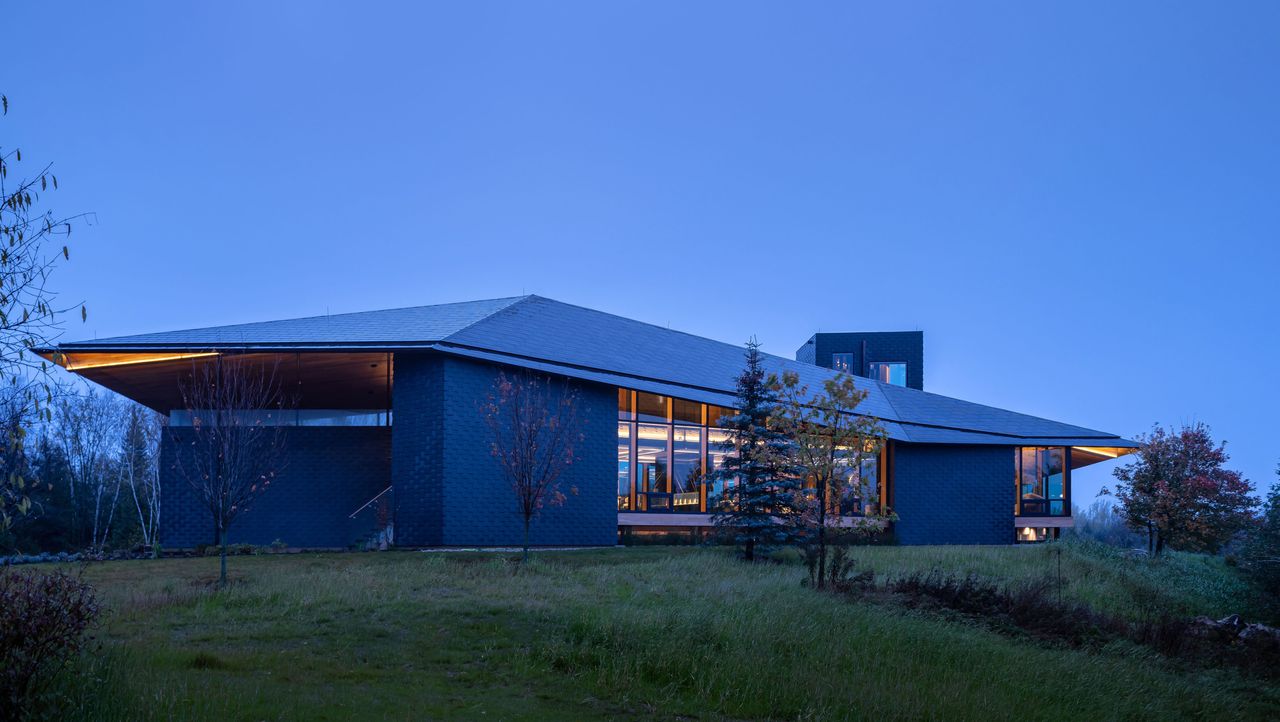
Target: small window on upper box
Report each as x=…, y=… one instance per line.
x=842, y=362
x=890, y=372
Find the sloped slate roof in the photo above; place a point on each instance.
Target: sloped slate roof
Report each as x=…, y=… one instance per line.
x=417, y=324
x=557, y=337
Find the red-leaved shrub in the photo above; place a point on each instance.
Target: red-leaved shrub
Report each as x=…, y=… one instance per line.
x=44, y=619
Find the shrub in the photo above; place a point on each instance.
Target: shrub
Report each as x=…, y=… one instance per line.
x=43, y=623
x=1032, y=605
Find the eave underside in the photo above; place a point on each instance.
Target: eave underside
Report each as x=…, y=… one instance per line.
x=358, y=378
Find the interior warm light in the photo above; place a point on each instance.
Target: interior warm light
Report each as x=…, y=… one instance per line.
x=140, y=359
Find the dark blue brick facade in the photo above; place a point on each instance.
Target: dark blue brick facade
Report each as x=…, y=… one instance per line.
x=328, y=474
x=905, y=346
x=449, y=489
x=953, y=494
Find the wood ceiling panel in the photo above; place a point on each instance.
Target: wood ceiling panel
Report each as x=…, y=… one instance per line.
x=318, y=380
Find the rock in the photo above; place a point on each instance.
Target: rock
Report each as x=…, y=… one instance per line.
x=1211, y=630
x=1260, y=637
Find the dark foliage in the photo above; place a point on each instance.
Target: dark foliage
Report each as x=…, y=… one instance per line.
x=1261, y=552
x=44, y=625
x=1032, y=606
x=1035, y=607
x=841, y=573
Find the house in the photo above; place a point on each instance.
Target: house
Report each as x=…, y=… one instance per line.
x=386, y=428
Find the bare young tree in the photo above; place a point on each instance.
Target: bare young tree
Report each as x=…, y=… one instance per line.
x=34, y=244
x=139, y=465
x=87, y=428
x=234, y=447
x=534, y=429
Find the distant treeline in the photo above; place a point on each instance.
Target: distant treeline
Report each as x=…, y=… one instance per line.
x=90, y=470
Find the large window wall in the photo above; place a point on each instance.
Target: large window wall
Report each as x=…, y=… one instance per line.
x=1043, y=478
x=667, y=449
x=285, y=417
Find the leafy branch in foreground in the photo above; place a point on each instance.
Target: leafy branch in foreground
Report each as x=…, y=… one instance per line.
x=33, y=242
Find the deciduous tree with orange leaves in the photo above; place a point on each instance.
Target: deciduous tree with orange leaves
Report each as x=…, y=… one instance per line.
x=1179, y=492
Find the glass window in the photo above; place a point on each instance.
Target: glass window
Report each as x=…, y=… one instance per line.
x=714, y=413
x=869, y=484
x=686, y=412
x=651, y=407
x=285, y=417
x=666, y=452
x=1031, y=535
x=624, y=404
x=686, y=468
x=624, y=467
x=652, y=491
x=719, y=448
x=890, y=372
x=338, y=417
x=1042, y=481
x=842, y=362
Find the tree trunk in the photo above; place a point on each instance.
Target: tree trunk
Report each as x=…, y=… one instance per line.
x=111, y=515
x=137, y=504
x=1159, y=543
x=222, y=575
x=749, y=553
x=822, y=535
x=526, y=540
x=97, y=511
x=822, y=555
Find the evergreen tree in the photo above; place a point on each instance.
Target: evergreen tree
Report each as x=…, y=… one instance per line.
x=759, y=485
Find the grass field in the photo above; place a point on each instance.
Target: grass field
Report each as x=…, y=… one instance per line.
x=669, y=633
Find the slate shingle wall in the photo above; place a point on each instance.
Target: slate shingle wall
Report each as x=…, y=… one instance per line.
x=417, y=448
x=881, y=346
x=947, y=494
x=449, y=489
x=329, y=472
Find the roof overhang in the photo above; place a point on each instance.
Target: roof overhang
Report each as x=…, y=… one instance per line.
x=346, y=376
x=335, y=380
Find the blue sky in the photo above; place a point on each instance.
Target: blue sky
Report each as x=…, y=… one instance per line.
x=1076, y=201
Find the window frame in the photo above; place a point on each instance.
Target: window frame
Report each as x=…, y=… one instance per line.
x=1018, y=511
x=632, y=419
x=906, y=367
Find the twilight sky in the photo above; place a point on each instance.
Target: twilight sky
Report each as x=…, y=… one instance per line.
x=1078, y=203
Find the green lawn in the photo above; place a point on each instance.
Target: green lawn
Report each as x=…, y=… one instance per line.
x=622, y=633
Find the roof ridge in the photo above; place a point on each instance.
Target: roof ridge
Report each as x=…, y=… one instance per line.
x=518, y=300
x=512, y=299
x=668, y=329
